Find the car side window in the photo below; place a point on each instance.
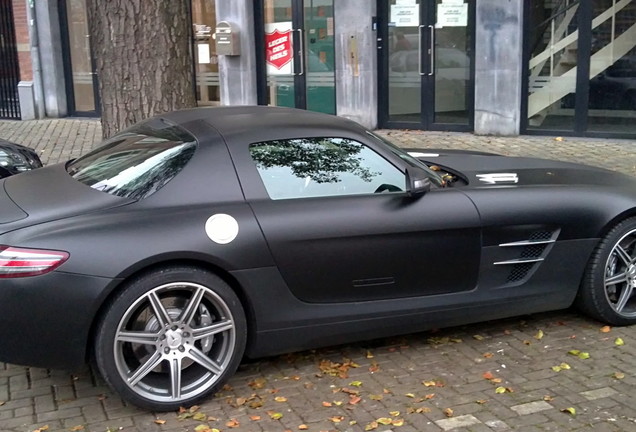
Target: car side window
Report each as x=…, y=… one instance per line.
x=318, y=167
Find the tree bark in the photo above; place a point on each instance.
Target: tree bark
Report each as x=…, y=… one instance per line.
x=142, y=50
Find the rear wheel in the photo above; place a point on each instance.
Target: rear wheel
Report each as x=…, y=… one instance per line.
x=170, y=338
x=609, y=286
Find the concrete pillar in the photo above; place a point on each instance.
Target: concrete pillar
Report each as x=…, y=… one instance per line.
x=498, y=67
x=52, y=65
x=356, y=61
x=237, y=74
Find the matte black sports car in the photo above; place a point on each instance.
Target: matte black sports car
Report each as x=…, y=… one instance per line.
x=15, y=158
x=200, y=236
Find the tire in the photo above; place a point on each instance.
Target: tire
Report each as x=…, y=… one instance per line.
x=170, y=338
x=609, y=285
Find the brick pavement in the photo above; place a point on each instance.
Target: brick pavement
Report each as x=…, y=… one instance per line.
x=410, y=382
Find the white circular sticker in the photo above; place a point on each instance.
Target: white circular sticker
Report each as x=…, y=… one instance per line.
x=221, y=228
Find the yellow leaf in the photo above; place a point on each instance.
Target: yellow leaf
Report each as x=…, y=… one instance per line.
x=336, y=419
x=569, y=410
x=371, y=426
x=448, y=412
x=539, y=335
x=158, y=421
x=280, y=399
x=429, y=383
x=384, y=421
x=410, y=395
x=574, y=352
x=556, y=368
x=618, y=375
x=355, y=383
x=275, y=415
x=548, y=398
x=337, y=403
x=398, y=422
x=376, y=397
x=500, y=390
x=202, y=428
x=559, y=139
x=42, y=429
x=619, y=342
x=394, y=413
x=478, y=337
x=353, y=422
x=369, y=354
x=605, y=329
x=565, y=366
x=584, y=355
x=200, y=416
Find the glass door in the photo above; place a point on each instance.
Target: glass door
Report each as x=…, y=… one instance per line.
x=299, y=54
x=426, y=64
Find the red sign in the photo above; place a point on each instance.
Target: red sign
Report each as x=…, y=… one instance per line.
x=278, y=48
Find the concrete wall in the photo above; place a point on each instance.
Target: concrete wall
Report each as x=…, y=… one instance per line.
x=498, y=66
x=237, y=74
x=356, y=61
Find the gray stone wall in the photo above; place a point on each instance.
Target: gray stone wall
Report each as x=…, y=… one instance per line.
x=356, y=61
x=498, y=66
x=50, y=41
x=237, y=74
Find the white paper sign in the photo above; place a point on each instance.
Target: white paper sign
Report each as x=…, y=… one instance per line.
x=405, y=15
x=452, y=15
x=203, y=51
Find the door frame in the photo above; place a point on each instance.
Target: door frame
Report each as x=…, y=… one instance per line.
x=427, y=109
x=300, y=79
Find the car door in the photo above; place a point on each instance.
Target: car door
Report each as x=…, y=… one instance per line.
x=341, y=227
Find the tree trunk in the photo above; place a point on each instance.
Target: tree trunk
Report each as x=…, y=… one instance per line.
x=142, y=50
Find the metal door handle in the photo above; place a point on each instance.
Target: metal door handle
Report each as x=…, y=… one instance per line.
x=301, y=51
x=419, y=50
x=432, y=50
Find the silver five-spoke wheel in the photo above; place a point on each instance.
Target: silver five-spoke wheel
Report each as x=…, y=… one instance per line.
x=164, y=345
x=608, y=289
x=620, y=275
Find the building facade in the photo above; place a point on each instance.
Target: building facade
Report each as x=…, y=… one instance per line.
x=561, y=67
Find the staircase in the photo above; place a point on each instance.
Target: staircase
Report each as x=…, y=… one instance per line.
x=547, y=87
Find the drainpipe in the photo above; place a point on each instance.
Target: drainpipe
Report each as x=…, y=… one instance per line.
x=35, y=60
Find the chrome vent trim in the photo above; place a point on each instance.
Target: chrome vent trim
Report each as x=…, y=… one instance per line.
x=527, y=243
x=519, y=261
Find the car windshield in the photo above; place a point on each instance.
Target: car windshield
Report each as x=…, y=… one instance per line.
x=435, y=178
x=137, y=162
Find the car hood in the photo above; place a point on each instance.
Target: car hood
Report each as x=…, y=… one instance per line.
x=488, y=170
x=15, y=158
x=47, y=194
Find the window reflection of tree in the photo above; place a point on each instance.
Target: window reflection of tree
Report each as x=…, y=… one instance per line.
x=319, y=159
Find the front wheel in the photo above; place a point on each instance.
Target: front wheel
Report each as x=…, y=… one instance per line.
x=609, y=285
x=170, y=338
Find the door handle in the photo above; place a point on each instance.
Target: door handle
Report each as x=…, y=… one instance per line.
x=419, y=50
x=432, y=50
x=301, y=51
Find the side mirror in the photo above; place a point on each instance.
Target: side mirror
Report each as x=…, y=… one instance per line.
x=417, y=182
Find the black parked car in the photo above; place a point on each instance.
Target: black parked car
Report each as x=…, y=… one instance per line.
x=198, y=237
x=15, y=158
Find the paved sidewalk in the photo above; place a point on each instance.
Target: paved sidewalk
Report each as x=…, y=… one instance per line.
x=514, y=374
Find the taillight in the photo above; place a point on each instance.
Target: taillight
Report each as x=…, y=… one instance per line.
x=18, y=262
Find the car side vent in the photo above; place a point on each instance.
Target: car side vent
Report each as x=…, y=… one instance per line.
x=519, y=271
x=525, y=256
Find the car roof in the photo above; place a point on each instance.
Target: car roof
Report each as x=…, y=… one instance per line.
x=259, y=123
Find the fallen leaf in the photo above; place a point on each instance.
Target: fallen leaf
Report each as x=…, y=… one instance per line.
x=429, y=396
x=448, y=412
x=481, y=401
x=478, y=337
x=539, y=335
x=233, y=423
x=562, y=366
x=2, y=403
x=369, y=354
x=354, y=400
x=569, y=410
x=488, y=355
x=202, y=428
x=619, y=342
x=42, y=429
x=303, y=427
x=559, y=139
x=500, y=390
x=336, y=419
x=158, y=421
x=410, y=395
x=199, y=416
x=258, y=383
x=579, y=354
x=605, y=329
x=548, y=398
x=527, y=342
x=326, y=404
x=387, y=391
x=80, y=427
x=356, y=383
x=398, y=422
x=618, y=375
x=275, y=415
x=337, y=403
x=280, y=399
x=375, y=367
x=376, y=397
x=371, y=426
x=255, y=417
x=384, y=421
x=352, y=422
x=488, y=375
x=394, y=413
